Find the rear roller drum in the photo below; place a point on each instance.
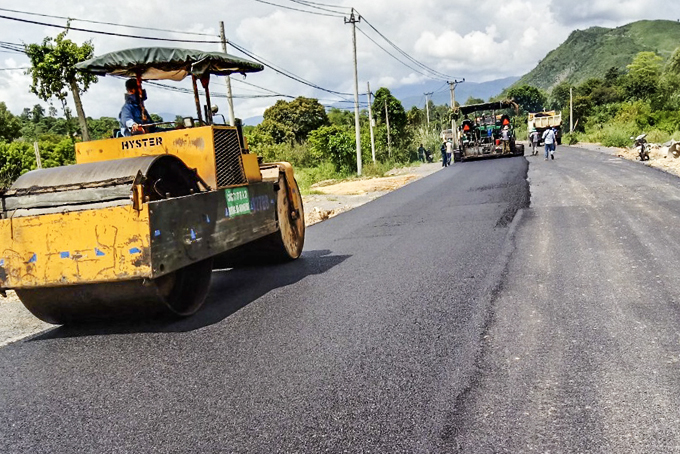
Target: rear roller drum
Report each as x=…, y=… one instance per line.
x=281, y=246
x=180, y=293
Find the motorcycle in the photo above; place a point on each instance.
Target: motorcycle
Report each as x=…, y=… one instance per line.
x=640, y=144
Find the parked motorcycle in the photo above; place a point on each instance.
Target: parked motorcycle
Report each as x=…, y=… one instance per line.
x=641, y=145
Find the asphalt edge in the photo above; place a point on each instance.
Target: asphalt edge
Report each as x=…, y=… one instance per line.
x=452, y=407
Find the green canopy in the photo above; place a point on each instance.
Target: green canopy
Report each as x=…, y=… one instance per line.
x=497, y=105
x=160, y=63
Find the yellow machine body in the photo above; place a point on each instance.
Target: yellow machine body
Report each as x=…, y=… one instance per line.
x=197, y=147
x=106, y=244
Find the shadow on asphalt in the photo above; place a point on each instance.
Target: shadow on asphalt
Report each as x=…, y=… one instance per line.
x=230, y=291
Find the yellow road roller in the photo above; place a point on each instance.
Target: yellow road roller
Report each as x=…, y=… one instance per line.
x=137, y=225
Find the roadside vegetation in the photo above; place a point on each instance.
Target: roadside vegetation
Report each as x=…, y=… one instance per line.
x=643, y=98
x=320, y=143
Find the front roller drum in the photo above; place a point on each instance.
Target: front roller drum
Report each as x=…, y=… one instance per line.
x=177, y=294
x=281, y=246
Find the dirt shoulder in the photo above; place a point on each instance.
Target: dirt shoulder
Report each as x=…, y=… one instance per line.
x=330, y=199
x=659, y=157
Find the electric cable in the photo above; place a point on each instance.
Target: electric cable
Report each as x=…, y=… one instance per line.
x=298, y=9
x=100, y=32
x=104, y=23
x=429, y=76
x=284, y=72
x=434, y=72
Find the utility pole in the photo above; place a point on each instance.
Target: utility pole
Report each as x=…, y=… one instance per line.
x=452, y=87
x=353, y=20
x=427, y=107
x=230, y=100
x=38, y=162
x=389, y=141
x=370, y=121
x=571, y=109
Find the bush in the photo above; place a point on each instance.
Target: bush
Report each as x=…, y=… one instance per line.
x=334, y=144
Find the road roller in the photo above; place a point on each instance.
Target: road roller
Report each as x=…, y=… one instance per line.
x=136, y=227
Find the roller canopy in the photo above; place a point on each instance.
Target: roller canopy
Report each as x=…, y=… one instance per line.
x=165, y=63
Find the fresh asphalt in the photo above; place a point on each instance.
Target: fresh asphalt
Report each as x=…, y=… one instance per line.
x=509, y=305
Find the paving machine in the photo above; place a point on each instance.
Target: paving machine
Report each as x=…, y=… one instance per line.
x=481, y=132
x=137, y=225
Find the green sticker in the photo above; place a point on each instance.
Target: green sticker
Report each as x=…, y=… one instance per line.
x=238, y=201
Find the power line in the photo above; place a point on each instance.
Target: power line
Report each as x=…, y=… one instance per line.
x=434, y=72
x=104, y=23
x=315, y=6
x=320, y=4
x=396, y=58
x=14, y=69
x=99, y=32
x=284, y=72
x=298, y=9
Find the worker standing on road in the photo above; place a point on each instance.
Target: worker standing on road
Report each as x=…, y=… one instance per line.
x=549, y=138
x=533, y=140
x=445, y=161
x=505, y=138
x=449, y=151
x=421, y=153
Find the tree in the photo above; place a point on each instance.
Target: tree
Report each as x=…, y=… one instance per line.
x=10, y=126
x=529, y=98
x=612, y=76
x=54, y=73
x=335, y=144
x=673, y=63
x=472, y=101
x=294, y=120
x=396, y=111
x=560, y=95
x=415, y=117
x=340, y=117
x=642, y=81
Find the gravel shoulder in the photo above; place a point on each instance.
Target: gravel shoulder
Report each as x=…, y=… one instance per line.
x=16, y=322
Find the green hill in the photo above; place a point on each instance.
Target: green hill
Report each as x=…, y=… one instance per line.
x=590, y=53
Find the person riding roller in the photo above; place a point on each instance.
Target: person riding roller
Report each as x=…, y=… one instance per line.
x=133, y=114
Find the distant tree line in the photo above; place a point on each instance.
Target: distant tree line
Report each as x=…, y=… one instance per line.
x=645, y=97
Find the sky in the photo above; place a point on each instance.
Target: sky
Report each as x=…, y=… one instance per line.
x=478, y=41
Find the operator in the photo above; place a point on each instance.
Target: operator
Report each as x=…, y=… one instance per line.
x=130, y=117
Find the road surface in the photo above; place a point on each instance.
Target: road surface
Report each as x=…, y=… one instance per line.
x=495, y=306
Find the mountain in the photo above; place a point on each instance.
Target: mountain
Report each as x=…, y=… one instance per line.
x=591, y=52
x=412, y=95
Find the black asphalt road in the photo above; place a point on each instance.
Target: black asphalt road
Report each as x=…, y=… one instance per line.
x=362, y=345
x=447, y=316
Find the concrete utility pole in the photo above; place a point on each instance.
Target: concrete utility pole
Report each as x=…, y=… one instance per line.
x=230, y=100
x=571, y=109
x=38, y=162
x=389, y=141
x=370, y=121
x=427, y=107
x=452, y=87
x=353, y=20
